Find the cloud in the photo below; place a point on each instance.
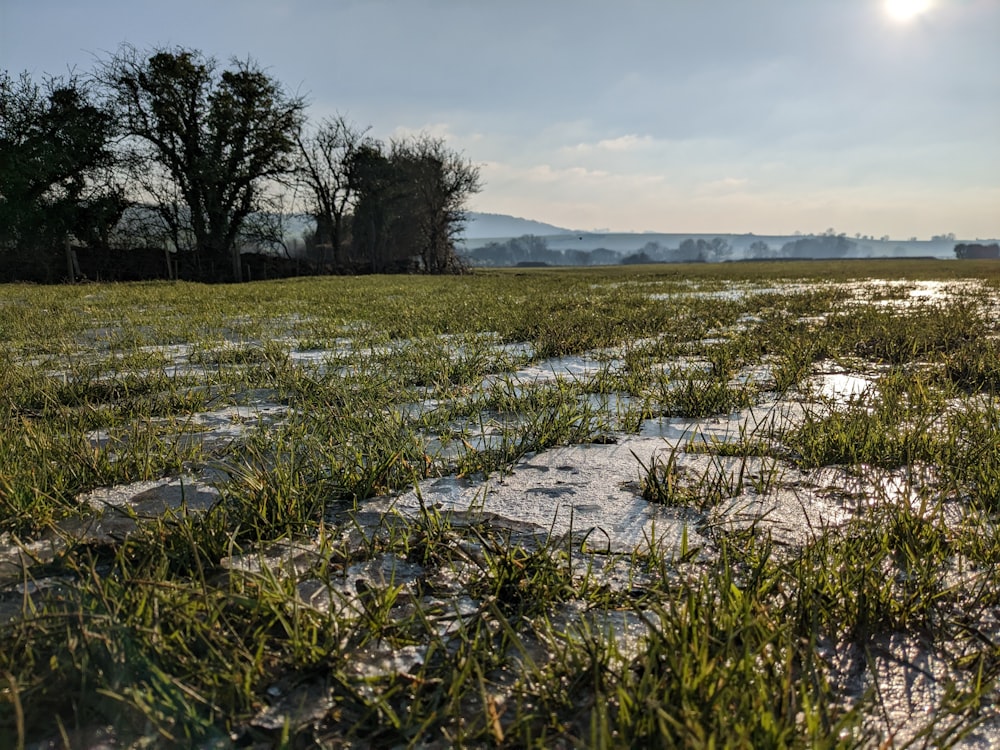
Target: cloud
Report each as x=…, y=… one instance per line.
x=434, y=129
x=725, y=185
x=570, y=179
x=547, y=173
x=630, y=142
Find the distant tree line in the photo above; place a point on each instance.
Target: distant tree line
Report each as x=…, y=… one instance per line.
x=534, y=251
x=163, y=163
x=975, y=250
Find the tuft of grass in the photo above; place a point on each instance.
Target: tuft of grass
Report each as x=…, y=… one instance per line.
x=899, y=423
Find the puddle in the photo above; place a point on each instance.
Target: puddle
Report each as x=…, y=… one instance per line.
x=842, y=387
x=152, y=499
x=882, y=292
x=573, y=367
x=911, y=293
x=211, y=431
x=584, y=492
x=758, y=422
x=911, y=682
x=733, y=293
x=115, y=513
x=293, y=707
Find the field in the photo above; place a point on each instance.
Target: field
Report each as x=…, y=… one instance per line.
x=740, y=505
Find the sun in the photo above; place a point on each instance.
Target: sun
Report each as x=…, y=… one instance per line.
x=903, y=11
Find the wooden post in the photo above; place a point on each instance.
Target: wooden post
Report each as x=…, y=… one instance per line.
x=237, y=265
x=69, y=261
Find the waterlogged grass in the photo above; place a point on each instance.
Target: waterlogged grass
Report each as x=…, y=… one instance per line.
x=289, y=614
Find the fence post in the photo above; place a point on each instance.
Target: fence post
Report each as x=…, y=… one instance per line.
x=70, y=270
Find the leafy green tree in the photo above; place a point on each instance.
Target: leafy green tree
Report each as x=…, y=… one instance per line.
x=204, y=145
x=56, y=173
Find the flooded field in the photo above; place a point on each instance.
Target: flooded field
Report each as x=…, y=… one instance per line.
x=751, y=505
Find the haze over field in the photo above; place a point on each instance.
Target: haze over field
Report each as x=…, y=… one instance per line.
x=497, y=240
x=867, y=116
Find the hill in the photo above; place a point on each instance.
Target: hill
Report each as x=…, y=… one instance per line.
x=490, y=226
x=495, y=239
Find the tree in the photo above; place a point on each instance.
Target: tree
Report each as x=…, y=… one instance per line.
x=703, y=251
x=204, y=143
x=636, y=259
x=977, y=250
x=377, y=209
x=692, y=250
x=602, y=256
x=56, y=168
x=324, y=165
x=527, y=248
x=440, y=181
x=821, y=246
x=655, y=252
x=410, y=203
x=759, y=250
x=720, y=249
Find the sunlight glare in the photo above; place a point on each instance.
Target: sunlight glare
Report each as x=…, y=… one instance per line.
x=906, y=10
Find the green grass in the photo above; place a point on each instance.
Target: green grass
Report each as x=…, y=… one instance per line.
x=263, y=620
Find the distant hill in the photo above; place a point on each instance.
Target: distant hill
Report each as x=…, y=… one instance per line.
x=498, y=239
x=489, y=226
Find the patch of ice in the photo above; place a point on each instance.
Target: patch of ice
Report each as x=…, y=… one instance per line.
x=584, y=491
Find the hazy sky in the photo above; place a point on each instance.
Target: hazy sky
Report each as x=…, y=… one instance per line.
x=764, y=116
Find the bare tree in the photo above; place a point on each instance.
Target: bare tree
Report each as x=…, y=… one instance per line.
x=203, y=143
x=440, y=181
x=324, y=166
x=267, y=230
x=379, y=195
x=411, y=203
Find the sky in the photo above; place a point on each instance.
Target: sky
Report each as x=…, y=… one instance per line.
x=872, y=117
